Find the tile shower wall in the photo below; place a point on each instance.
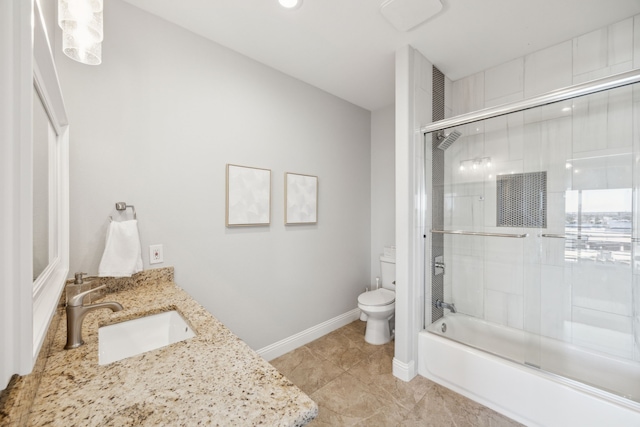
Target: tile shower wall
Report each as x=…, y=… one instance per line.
x=526, y=283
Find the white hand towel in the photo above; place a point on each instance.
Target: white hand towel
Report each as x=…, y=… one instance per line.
x=122, y=253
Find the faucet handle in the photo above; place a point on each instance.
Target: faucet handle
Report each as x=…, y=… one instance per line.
x=77, y=299
x=78, y=278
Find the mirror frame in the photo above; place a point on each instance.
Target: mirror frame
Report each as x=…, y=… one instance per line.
x=26, y=309
x=49, y=284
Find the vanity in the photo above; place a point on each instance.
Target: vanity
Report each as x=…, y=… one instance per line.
x=213, y=378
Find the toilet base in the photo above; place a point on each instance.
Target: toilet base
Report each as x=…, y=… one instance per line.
x=378, y=331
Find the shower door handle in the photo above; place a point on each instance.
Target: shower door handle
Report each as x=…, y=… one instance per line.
x=438, y=265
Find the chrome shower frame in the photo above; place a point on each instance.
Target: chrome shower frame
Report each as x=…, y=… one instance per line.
x=593, y=86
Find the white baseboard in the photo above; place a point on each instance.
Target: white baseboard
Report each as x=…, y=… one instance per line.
x=286, y=345
x=404, y=371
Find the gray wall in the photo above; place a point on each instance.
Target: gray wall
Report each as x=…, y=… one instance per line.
x=154, y=126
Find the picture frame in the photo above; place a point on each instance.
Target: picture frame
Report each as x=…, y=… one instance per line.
x=248, y=196
x=301, y=199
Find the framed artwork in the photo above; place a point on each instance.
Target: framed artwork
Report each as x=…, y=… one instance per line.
x=301, y=199
x=248, y=196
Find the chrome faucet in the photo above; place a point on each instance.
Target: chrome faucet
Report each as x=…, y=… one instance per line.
x=442, y=304
x=76, y=311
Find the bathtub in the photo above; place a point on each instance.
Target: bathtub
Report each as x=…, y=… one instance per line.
x=526, y=393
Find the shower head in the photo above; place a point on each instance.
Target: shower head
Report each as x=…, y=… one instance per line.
x=447, y=140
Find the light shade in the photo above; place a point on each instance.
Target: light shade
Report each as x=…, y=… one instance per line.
x=79, y=49
x=82, y=29
x=81, y=15
x=290, y=4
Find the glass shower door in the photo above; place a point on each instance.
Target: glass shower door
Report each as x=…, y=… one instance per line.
x=567, y=296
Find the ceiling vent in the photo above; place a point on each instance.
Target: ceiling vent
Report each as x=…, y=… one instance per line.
x=405, y=15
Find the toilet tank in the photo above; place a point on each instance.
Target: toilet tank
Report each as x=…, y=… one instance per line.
x=388, y=272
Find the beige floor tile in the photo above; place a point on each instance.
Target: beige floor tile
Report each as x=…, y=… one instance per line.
x=443, y=407
x=337, y=348
x=328, y=418
x=349, y=397
x=353, y=384
x=389, y=415
x=306, y=370
x=355, y=332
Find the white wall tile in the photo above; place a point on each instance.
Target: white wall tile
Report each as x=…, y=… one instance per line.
x=497, y=139
x=518, y=96
x=503, y=80
x=590, y=51
x=465, y=149
x=548, y=112
x=490, y=200
x=636, y=316
x=590, y=122
x=555, y=304
x=466, y=212
x=619, y=171
x=620, y=117
x=636, y=41
x=548, y=69
x=515, y=311
x=531, y=247
x=589, y=174
x=467, y=284
x=605, y=332
x=495, y=307
x=604, y=287
x=468, y=94
x=503, y=266
x=532, y=297
x=449, y=263
x=602, y=172
x=505, y=168
x=620, y=43
x=515, y=123
x=556, y=215
x=636, y=161
x=547, y=147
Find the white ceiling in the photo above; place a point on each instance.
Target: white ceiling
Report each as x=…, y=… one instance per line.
x=346, y=47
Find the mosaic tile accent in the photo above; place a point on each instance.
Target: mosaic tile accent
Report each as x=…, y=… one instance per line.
x=437, y=240
x=522, y=200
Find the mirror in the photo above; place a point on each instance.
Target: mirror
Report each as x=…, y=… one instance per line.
x=43, y=137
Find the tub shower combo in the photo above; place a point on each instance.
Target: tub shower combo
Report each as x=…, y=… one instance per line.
x=533, y=258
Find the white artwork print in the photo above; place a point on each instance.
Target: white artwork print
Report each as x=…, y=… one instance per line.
x=248, y=196
x=302, y=199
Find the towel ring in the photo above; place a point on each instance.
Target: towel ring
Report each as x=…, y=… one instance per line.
x=121, y=206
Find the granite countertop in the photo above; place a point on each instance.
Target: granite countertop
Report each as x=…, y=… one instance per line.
x=211, y=379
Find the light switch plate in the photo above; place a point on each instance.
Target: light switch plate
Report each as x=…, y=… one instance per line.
x=155, y=254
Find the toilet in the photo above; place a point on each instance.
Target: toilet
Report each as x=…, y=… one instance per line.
x=379, y=306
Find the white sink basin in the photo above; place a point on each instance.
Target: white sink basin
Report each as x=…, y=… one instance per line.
x=126, y=339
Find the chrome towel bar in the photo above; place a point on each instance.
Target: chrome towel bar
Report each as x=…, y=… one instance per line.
x=477, y=233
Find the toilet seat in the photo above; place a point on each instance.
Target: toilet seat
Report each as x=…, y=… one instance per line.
x=377, y=298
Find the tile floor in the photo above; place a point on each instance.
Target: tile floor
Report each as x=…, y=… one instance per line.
x=353, y=385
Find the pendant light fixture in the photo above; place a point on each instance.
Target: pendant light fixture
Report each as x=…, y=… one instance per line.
x=290, y=4
x=82, y=29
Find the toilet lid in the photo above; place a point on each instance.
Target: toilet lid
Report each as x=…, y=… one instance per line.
x=378, y=297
